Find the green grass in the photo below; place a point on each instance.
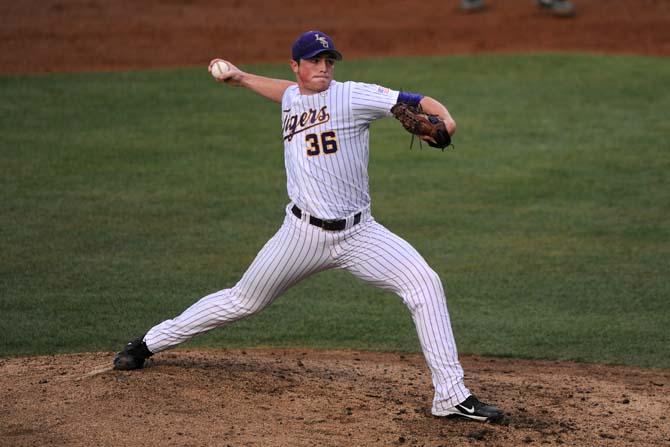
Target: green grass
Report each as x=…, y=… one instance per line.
x=125, y=197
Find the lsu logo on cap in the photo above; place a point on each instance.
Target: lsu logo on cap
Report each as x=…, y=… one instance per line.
x=322, y=40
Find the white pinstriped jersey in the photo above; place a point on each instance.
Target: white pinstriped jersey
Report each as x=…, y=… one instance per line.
x=326, y=145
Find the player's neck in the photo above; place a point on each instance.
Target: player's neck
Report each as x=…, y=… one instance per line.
x=306, y=91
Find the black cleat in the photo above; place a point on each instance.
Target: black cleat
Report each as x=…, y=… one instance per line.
x=472, y=408
x=132, y=356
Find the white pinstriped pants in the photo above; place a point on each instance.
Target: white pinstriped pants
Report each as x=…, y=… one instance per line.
x=367, y=250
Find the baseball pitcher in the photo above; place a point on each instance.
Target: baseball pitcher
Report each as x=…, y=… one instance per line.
x=328, y=222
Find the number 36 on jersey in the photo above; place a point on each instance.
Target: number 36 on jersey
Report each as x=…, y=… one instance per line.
x=321, y=143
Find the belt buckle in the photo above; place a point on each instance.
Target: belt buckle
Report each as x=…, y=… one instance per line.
x=332, y=225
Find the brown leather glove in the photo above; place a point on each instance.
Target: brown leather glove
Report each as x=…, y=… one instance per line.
x=421, y=124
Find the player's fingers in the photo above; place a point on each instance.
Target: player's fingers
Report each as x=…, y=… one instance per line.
x=428, y=139
x=230, y=77
x=211, y=63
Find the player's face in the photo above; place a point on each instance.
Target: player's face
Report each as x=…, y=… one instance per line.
x=314, y=75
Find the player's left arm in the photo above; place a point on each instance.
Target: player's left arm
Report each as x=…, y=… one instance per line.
x=433, y=107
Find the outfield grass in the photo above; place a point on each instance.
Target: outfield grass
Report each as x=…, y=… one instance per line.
x=125, y=197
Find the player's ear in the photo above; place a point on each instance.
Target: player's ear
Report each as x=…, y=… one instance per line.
x=294, y=66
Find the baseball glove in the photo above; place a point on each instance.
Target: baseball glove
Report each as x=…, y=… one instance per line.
x=416, y=122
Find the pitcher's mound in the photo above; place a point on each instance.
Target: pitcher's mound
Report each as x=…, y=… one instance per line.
x=325, y=398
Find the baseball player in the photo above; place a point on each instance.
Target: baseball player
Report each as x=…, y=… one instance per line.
x=560, y=8
x=328, y=222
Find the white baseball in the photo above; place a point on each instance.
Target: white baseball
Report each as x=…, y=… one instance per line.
x=219, y=68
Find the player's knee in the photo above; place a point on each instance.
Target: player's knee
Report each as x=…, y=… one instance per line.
x=246, y=308
x=426, y=287
x=242, y=305
x=430, y=280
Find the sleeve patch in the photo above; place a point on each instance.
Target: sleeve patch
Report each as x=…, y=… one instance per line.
x=383, y=90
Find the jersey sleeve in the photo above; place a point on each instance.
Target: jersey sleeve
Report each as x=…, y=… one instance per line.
x=370, y=101
x=288, y=95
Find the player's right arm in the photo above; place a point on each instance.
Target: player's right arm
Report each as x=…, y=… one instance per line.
x=269, y=88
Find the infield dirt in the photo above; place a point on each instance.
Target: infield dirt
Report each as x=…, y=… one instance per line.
x=324, y=398
x=304, y=397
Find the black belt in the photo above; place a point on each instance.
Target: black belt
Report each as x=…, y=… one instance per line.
x=330, y=225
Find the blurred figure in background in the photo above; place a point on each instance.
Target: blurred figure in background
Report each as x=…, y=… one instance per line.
x=562, y=8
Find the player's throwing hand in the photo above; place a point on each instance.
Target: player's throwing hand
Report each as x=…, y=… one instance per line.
x=224, y=71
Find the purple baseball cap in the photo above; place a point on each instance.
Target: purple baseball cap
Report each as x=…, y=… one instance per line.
x=313, y=43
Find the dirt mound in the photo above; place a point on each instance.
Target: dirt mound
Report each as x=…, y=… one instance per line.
x=70, y=35
x=326, y=398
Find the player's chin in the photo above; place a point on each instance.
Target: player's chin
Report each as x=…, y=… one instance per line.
x=321, y=83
